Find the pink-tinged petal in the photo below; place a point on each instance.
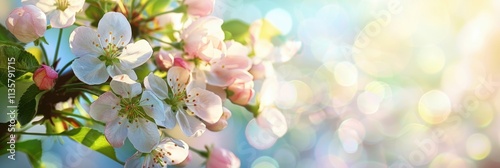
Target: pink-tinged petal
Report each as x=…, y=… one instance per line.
x=157, y=85
x=90, y=70
x=83, y=42
x=222, y=123
x=125, y=87
x=242, y=92
x=105, y=108
x=219, y=91
x=153, y=106
x=222, y=158
x=233, y=62
x=225, y=78
x=177, y=79
x=135, y=54
x=199, y=8
x=135, y=160
x=213, y=49
x=273, y=120
x=164, y=60
x=170, y=119
x=174, y=151
x=198, y=80
x=189, y=124
x=143, y=134
x=116, y=131
x=258, y=71
x=236, y=49
x=118, y=69
x=114, y=28
x=204, y=104
x=62, y=19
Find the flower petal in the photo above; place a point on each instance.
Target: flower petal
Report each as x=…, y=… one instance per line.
x=153, y=106
x=175, y=151
x=118, y=69
x=135, y=160
x=62, y=19
x=83, y=42
x=135, y=54
x=105, y=108
x=177, y=79
x=125, y=87
x=205, y=104
x=114, y=24
x=273, y=120
x=90, y=70
x=190, y=125
x=116, y=131
x=198, y=80
x=143, y=134
x=157, y=85
x=170, y=119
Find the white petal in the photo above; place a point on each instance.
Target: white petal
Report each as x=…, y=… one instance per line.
x=116, y=131
x=135, y=160
x=177, y=79
x=83, y=41
x=198, y=80
x=205, y=104
x=135, y=54
x=118, y=69
x=105, y=108
x=170, y=119
x=152, y=106
x=143, y=134
x=190, y=125
x=114, y=24
x=125, y=87
x=174, y=151
x=62, y=19
x=157, y=85
x=75, y=5
x=90, y=70
x=46, y=6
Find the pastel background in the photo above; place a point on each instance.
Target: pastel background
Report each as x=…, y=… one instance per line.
x=377, y=83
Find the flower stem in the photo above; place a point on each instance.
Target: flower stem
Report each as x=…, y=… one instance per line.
x=176, y=10
x=254, y=109
x=77, y=116
x=57, y=47
x=44, y=54
x=199, y=152
x=64, y=67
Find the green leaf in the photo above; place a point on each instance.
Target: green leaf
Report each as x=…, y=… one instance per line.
x=237, y=29
x=32, y=148
x=93, y=139
x=27, y=107
x=17, y=60
x=5, y=35
x=155, y=6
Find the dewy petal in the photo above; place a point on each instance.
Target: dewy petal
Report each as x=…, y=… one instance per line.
x=62, y=19
x=105, y=108
x=143, y=134
x=114, y=24
x=116, y=131
x=125, y=87
x=152, y=106
x=190, y=125
x=83, y=42
x=135, y=54
x=135, y=161
x=204, y=104
x=157, y=85
x=170, y=119
x=176, y=150
x=90, y=70
x=118, y=69
x=177, y=79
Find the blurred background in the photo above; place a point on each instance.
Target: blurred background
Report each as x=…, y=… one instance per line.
x=377, y=83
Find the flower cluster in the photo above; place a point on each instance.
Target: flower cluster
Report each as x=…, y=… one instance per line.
x=153, y=70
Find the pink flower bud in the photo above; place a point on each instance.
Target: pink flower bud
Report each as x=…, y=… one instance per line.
x=258, y=71
x=27, y=23
x=222, y=158
x=45, y=77
x=182, y=63
x=222, y=123
x=242, y=92
x=199, y=7
x=164, y=60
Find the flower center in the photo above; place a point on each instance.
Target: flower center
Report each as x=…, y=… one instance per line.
x=62, y=4
x=132, y=109
x=111, y=50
